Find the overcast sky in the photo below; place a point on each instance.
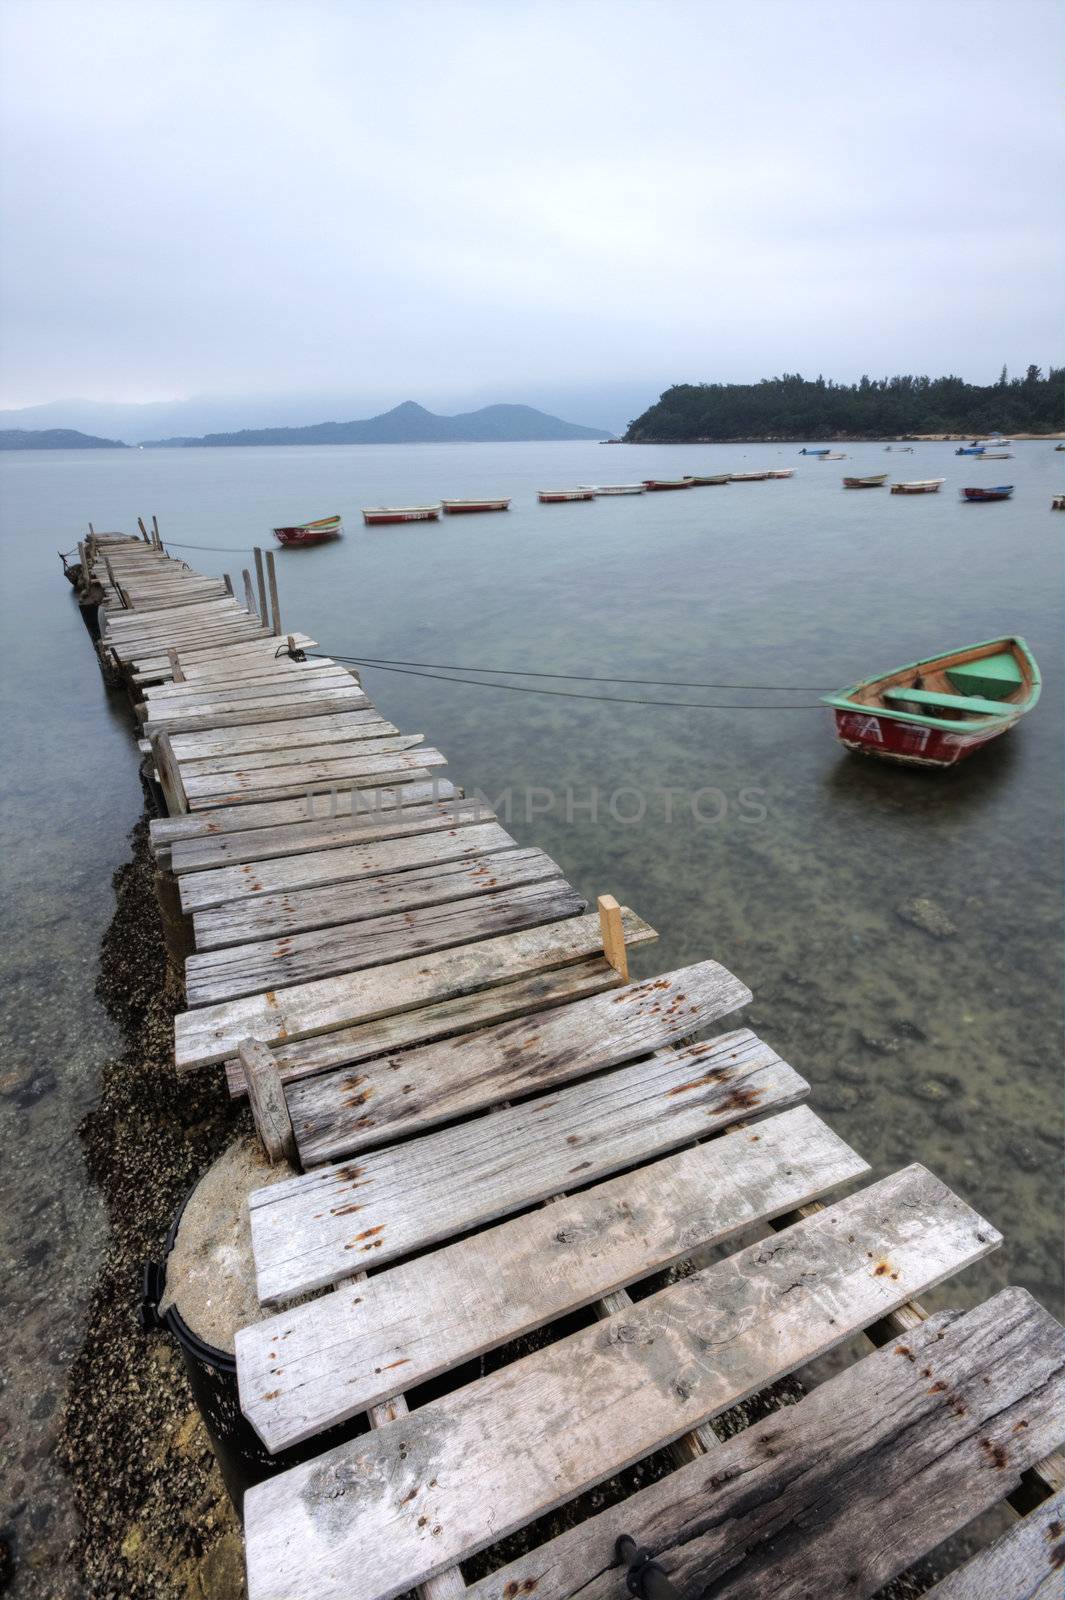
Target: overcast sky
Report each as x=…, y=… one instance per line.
x=500, y=199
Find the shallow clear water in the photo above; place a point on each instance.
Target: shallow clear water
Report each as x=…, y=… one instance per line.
x=945, y=1051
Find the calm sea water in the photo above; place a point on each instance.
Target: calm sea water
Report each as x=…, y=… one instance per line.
x=944, y=1051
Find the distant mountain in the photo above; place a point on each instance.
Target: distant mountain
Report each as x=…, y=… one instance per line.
x=409, y=423
x=54, y=439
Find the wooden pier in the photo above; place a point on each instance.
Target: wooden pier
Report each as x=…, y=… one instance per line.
x=493, y=1130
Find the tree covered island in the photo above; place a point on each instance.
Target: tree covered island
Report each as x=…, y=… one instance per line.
x=796, y=408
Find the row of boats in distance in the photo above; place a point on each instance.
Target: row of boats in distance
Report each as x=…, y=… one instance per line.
x=374, y=516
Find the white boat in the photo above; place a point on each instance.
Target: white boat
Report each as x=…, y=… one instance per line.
x=918, y=486
x=747, y=477
x=552, y=497
x=455, y=507
x=781, y=472
x=995, y=455
x=835, y=455
x=614, y=488
x=375, y=516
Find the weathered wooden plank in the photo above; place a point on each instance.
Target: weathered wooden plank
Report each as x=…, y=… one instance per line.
x=274, y=708
x=442, y=1019
x=202, y=697
x=344, y=802
x=297, y=754
x=264, y=783
x=273, y=916
x=852, y=1481
x=1025, y=1564
x=215, y=654
x=407, y=819
x=347, y=1350
x=317, y=868
x=266, y=1096
x=210, y=805
x=212, y=1033
x=242, y=681
x=339, y=729
x=214, y=976
x=327, y=1224
x=464, y=1470
x=341, y=1112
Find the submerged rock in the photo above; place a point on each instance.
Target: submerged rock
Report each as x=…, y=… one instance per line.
x=927, y=915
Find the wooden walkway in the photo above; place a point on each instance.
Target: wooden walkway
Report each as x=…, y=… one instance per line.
x=492, y=1129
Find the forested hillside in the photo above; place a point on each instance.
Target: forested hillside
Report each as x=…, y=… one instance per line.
x=793, y=407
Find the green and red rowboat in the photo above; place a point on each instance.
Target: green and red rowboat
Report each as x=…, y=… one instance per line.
x=934, y=713
x=309, y=532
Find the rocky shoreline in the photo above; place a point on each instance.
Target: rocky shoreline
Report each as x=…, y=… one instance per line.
x=156, y=1523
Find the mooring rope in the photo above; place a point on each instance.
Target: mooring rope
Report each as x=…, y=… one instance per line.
x=573, y=694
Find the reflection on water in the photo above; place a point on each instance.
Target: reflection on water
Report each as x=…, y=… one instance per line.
x=941, y=1046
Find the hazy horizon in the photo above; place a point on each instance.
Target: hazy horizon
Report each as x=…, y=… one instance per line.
x=320, y=213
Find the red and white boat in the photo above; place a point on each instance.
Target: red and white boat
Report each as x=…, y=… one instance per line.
x=456, y=507
x=781, y=472
x=302, y=533
x=1001, y=491
x=554, y=497
x=376, y=516
x=669, y=483
x=934, y=713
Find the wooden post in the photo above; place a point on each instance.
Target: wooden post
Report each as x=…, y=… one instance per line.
x=86, y=576
x=177, y=928
x=228, y=581
x=177, y=801
x=175, y=666
x=266, y=1094
x=249, y=592
x=157, y=538
x=613, y=935
x=92, y=531
x=144, y=531
x=275, y=608
x=260, y=579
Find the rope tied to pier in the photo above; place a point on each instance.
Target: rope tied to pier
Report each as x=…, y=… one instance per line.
x=575, y=694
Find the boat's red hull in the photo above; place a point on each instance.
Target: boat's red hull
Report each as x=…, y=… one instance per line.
x=302, y=536
x=914, y=743
x=664, y=483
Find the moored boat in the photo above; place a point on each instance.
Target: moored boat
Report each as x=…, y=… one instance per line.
x=455, y=507
x=702, y=482
x=614, y=488
x=969, y=450
x=781, y=472
x=900, y=449
x=1058, y=503
x=918, y=486
x=876, y=481
x=376, y=516
x=1059, y=447
x=995, y=455
x=747, y=477
x=1001, y=491
x=305, y=533
x=835, y=455
x=669, y=483
x=935, y=713
x=821, y=450
x=552, y=497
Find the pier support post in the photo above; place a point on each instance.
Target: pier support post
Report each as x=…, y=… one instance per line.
x=177, y=801
x=613, y=935
x=228, y=581
x=261, y=581
x=249, y=592
x=144, y=531
x=157, y=539
x=177, y=928
x=275, y=608
x=269, y=1109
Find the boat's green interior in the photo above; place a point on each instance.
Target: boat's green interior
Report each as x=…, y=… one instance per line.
x=993, y=677
x=975, y=704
